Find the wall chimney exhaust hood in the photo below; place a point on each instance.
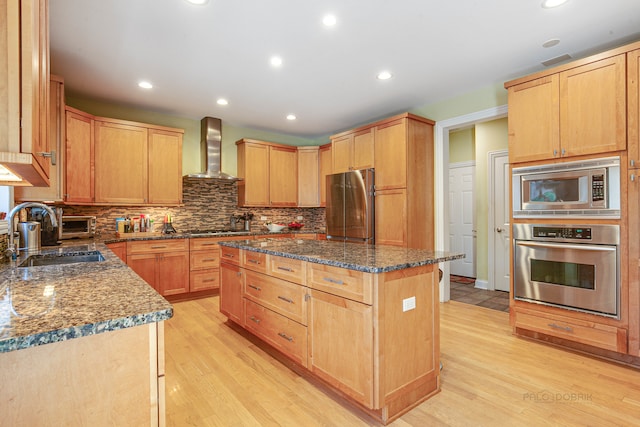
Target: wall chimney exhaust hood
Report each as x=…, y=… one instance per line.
x=211, y=150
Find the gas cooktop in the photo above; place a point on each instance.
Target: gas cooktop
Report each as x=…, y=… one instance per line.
x=215, y=231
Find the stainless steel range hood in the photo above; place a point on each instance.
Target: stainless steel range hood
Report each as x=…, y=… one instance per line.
x=211, y=150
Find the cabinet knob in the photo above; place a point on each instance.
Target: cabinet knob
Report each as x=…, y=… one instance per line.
x=632, y=163
x=564, y=151
x=633, y=177
x=555, y=153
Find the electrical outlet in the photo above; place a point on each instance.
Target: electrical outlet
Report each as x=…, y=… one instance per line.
x=299, y=218
x=263, y=218
x=408, y=304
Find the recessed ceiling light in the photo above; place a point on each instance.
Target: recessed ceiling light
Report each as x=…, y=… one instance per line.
x=548, y=4
x=145, y=85
x=329, y=20
x=222, y=101
x=291, y=117
x=550, y=43
x=198, y=2
x=276, y=61
x=384, y=75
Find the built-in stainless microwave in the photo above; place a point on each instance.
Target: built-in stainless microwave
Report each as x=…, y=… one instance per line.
x=583, y=189
x=76, y=227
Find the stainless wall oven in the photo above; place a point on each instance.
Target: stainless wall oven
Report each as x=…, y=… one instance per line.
x=576, y=267
x=582, y=189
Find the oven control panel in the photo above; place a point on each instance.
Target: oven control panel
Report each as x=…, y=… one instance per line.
x=583, y=233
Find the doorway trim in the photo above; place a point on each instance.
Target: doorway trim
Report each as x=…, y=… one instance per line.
x=441, y=149
x=491, y=242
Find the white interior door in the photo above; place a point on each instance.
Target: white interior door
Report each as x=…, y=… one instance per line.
x=499, y=227
x=462, y=230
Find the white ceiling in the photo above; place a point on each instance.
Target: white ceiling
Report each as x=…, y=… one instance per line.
x=435, y=49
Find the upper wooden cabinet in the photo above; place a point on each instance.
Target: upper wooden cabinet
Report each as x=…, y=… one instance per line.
x=326, y=168
x=576, y=111
x=633, y=110
x=352, y=150
x=24, y=91
x=269, y=173
x=55, y=191
x=308, y=176
x=118, y=162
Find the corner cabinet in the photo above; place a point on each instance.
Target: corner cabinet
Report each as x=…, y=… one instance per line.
x=118, y=162
x=24, y=91
x=579, y=110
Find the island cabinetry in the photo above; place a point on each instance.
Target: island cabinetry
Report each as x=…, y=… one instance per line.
x=231, y=284
x=578, y=110
x=352, y=150
x=280, y=296
x=352, y=284
x=24, y=90
x=269, y=173
x=163, y=264
x=326, y=168
x=54, y=192
x=79, y=157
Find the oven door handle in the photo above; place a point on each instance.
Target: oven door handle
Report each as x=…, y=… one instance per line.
x=567, y=246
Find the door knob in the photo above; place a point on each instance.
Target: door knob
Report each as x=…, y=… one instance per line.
x=499, y=230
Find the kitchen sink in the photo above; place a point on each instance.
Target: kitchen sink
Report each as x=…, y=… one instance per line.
x=58, y=259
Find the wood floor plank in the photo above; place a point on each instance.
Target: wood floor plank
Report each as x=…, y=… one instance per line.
x=218, y=376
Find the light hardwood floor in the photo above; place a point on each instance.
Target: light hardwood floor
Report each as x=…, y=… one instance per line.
x=217, y=376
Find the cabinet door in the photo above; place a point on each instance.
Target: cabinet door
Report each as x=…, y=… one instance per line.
x=231, y=301
x=593, y=108
x=308, y=177
x=391, y=217
x=633, y=199
x=120, y=163
x=54, y=192
x=339, y=323
x=391, y=155
x=633, y=107
x=173, y=273
x=363, y=149
x=325, y=169
x=145, y=266
x=341, y=153
x=120, y=249
x=79, y=158
x=283, y=176
x=165, y=168
x=534, y=120
x=253, y=166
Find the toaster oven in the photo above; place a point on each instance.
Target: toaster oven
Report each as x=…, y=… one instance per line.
x=77, y=227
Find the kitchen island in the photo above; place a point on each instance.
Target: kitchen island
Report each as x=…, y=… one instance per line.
x=362, y=319
x=80, y=343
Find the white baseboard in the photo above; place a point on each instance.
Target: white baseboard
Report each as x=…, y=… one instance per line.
x=482, y=284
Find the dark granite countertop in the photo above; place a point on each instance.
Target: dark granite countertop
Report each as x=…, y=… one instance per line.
x=113, y=238
x=352, y=256
x=41, y=305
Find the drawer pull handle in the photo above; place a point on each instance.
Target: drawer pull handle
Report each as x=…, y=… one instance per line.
x=285, y=336
x=290, y=270
x=208, y=259
x=290, y=301
x=158, y=247
x=334, y=281
x=208, y=244
x=257, y=288
x=254, y=261
x=229, y=255
x=254, y=319
x=562, y=328
x=208, y=280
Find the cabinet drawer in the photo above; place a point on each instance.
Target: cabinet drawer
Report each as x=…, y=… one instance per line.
x=286, y=268
x=230, y=255
x=255, y=261
x=284, y=334
x=582, y=331
x=202, y=260
x=352, y=284
x=278, y=295
x=157, y=246
x=204, y=280
x=201, y=244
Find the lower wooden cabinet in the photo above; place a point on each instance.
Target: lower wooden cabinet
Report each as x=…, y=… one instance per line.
x=163, y=264
x=120, y=249
x=231, y=301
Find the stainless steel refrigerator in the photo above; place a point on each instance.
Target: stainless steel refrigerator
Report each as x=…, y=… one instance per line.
x=350, y=206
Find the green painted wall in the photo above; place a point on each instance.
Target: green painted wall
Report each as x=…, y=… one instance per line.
x=191, y=162
x=490, y=136
x=462, y=146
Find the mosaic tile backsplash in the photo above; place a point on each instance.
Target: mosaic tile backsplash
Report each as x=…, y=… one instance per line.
x=208, y=204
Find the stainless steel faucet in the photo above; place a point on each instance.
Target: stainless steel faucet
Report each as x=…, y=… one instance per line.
x=12, y=250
